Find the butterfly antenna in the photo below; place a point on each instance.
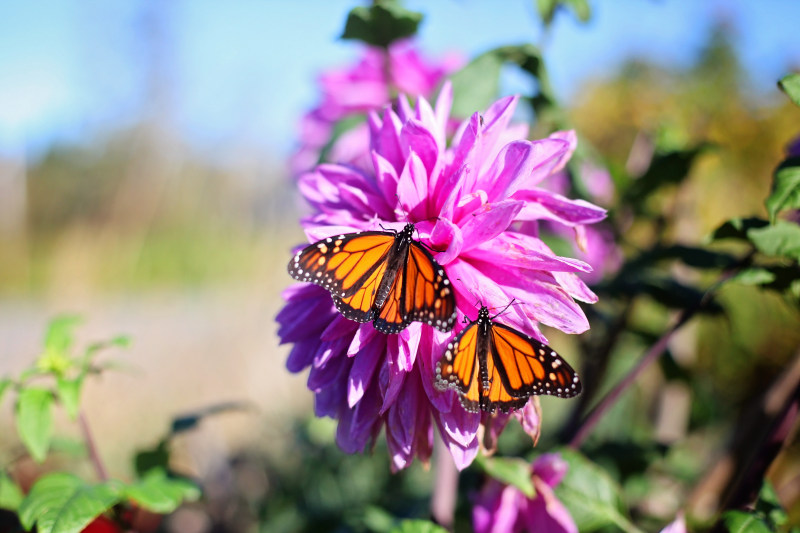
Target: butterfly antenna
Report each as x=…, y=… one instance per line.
x=405, y=213
x=512, y=302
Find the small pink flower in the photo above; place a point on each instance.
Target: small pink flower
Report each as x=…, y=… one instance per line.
x=505, y=509
x=356, y=90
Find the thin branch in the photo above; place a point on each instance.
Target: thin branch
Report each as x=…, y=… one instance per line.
x=94, y=456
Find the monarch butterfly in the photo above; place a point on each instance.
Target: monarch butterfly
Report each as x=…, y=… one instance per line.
x=511, y=367
x=385, y=277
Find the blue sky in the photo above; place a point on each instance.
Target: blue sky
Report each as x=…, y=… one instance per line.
x=242, y=71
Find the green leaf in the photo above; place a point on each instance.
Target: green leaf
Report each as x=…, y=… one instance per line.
x=737, y=228
x=159, y=493
x=63, y=503
x=591, y=496
x=10, y=493
x=742, y=522
x=548, y=8
x=510, y=471
x=754, y=276
x=418, y=526
x=381, y=24
x=785, y=188
x=791, y=86
x=781, y=239
x=69, y=392
x=35, y=420
x=769, y=506
x=475, y=86
x=60, y=333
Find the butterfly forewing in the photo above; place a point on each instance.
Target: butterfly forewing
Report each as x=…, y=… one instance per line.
x=527, y=367
x=428, y=294
x=345, y=263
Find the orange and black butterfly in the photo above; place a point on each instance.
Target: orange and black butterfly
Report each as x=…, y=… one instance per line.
x=493, y=366
x=385, y=277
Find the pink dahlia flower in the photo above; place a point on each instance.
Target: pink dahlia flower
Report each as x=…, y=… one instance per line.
x=505, y=509
x=466, y=199
x=366, y=86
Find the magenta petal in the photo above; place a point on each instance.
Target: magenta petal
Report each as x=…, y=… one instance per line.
x=575, y=287
x=546, y=512
x=364, y=365
x=460, y=425
x=386, y=177
x=676, y=526
x=488, y=222
x=413, y=185
x=409, y=343
x=545, y=205
x=362, y=337
x=318, y=233
x=524, y=251
x=339, y=327
x=420, y=140
x=571, y=139
x=301, y=355
x=551, y=468
x=446, y=236
x=530, y=420
x=521, y=165
x=387, y=141
x=391, y=378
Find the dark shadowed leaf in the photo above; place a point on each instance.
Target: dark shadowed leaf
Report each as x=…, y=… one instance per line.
x=665, y=169
x=418, y=526
x=160, y=493
x=591, y=496
x=737, y=228
x=475, y=86
x=35, y=420
x=688, y=255
x=785, y=188
x=10, y=494
x=147, y=460
x=742, y=522
x=791, y=86
x=63, y=503
x=509, y=471
x=781, y=239
x=381, y=24
x=769, y=506
x=190, y=421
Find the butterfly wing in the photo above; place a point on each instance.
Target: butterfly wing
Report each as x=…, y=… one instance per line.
x=525, y=367
x=429, y=297
x=458, y=367
x=350, y=266
x=390, y=317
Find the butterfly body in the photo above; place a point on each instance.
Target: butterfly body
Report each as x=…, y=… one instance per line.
x=383, y=277
x=493, y=366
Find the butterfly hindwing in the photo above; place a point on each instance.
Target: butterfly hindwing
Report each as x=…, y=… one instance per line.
x=428, y=296
x=458, y=367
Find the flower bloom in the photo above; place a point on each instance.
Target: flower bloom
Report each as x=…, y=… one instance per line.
x=467, y=199
x=351, y=92
x=505, y=509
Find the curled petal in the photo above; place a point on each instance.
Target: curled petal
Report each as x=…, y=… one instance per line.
x=530, y=417
x=545, y=205
x=446, y=234
x=575, y=287
x=571, y=139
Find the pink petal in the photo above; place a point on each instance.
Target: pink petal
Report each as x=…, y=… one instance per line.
x=676, y=526
x=488, y=222
x=550, y=468
x=413, y=185
x=446, y=235
x=524, y=251
x=571, y=139
x=530, y=417
x=546, y=512
x=575, y=287
x=521, y=165
x=408, y=343
x=361, y=339
x=364, y=365
x=545, y=205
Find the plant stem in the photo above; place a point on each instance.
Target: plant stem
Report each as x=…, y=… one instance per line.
x=443, y=502
x=94, y=457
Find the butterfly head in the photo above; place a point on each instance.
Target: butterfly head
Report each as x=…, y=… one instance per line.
x=408, y=232
x=483, y=314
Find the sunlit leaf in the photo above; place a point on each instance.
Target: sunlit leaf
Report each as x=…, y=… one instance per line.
x=10, y=493
x=63, y=503
x=509, y=471
x=159, y=493
x=418, y=526
x=548, y=8
x=781, y=239
x=69, y=392
x=785, y=188
x=35, y=420
x=60, y=333
x=381, y=24
x=742, y=522
x=791, y=86
x=591, y=496
x=754, y=276
x=475, y=86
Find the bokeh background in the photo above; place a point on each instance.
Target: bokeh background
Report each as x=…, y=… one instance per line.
x=144, y=182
